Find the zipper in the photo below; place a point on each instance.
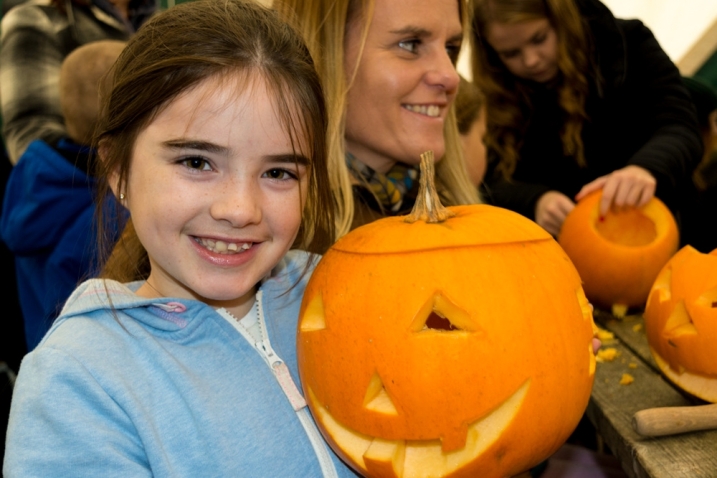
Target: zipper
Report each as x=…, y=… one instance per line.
x=283, y=377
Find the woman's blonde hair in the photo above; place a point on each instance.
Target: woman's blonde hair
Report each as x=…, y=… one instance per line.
x=507, y=97
x=324, y=25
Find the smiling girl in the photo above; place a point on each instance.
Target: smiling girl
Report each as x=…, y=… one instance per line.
x=213, y=139
x=579, y=101
x=388, y=67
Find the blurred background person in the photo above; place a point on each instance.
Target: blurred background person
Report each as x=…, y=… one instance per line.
x=579, y=101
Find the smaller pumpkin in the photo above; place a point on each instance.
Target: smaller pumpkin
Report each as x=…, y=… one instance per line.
x=619, y=255
x=681, y=322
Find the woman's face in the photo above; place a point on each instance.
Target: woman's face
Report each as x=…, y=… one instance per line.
x=405, y=81
x=528, y=49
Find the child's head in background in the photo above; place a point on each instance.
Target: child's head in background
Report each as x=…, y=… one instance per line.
x=83, y=78
x=470, y=114
x=213, y=138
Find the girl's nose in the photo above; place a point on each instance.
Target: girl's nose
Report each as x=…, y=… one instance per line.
x=531, y=58
x=236, y=202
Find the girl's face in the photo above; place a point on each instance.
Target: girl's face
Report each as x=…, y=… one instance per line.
x=214, y=192
x=529, y=49
x=405, y=81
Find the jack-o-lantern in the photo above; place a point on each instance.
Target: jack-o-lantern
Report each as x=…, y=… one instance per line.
x=619, y=255
x=456, y=348
x=681, y=322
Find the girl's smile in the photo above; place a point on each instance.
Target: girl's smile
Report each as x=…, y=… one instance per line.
x=215, y=192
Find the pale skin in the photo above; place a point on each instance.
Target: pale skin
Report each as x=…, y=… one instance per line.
x=629, y=187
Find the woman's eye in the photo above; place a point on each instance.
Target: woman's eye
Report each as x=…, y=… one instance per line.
x=409, y=45
x=280, y=174
x=508, y=54
x=200, y=164
x=453, y=50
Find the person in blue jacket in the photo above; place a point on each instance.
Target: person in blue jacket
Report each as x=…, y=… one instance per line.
x=48, y=207
x=180, y=360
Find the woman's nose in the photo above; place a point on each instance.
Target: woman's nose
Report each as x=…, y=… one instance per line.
x=442, y=72
x=237, y=202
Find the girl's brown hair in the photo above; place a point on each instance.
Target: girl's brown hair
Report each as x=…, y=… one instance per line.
x=324, y=24
x=175, y=51
x=507, y=98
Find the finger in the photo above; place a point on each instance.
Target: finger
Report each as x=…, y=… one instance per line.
x=565, y=207
x=608, y=194
x=647, y=194
x=590, y=187
x=622, y=190
x=634, y=196
x=596, y=345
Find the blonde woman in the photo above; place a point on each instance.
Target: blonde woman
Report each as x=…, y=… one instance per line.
x=388, y=69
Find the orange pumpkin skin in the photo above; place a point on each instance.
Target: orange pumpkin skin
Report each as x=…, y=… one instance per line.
x=394, y=399
x=619, y=257
x=681, y=322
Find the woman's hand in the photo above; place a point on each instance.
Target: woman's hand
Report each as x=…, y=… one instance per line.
x=551, y=210
x=631, y=186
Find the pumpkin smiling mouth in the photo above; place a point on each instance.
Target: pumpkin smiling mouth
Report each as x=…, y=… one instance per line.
x=398, y=458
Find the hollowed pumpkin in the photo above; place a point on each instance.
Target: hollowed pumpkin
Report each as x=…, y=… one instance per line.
x=619, y=256
x=459, y=348
x=681, y=322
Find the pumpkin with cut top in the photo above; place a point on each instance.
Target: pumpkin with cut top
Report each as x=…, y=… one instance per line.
x=618, y=256
x=451, y=342
x=681, y=322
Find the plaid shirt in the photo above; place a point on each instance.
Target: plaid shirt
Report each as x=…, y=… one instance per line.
x=36, y=38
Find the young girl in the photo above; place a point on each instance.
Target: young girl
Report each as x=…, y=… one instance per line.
x=213, y=139
x=578, y=101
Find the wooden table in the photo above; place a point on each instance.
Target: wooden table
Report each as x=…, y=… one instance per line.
x=611, y=407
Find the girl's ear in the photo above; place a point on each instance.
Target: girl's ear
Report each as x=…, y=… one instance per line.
x=113, y=179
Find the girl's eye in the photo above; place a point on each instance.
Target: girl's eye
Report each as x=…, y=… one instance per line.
x=200, y=164
x=280, y=174
x=539, y=39
x=508, y=54
x=410, y=45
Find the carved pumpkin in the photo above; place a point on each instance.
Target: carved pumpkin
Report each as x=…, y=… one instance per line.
x=681, y=322
x=619, y=256
x=458, y=348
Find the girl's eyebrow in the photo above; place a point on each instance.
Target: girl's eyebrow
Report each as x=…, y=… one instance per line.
x=195, y=144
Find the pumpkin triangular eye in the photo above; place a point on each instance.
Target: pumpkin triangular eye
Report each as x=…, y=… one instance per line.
x=708, y=299
x=314, y=318
x=679, y=323
x=442, y=314
x=377, y=398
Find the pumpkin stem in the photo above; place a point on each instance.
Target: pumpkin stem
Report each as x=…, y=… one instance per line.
x=428, y=207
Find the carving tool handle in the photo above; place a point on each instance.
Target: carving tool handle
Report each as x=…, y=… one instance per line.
x=673, y=420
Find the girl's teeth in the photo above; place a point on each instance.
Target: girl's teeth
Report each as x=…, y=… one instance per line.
x=433, y=111
x=222, y=247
